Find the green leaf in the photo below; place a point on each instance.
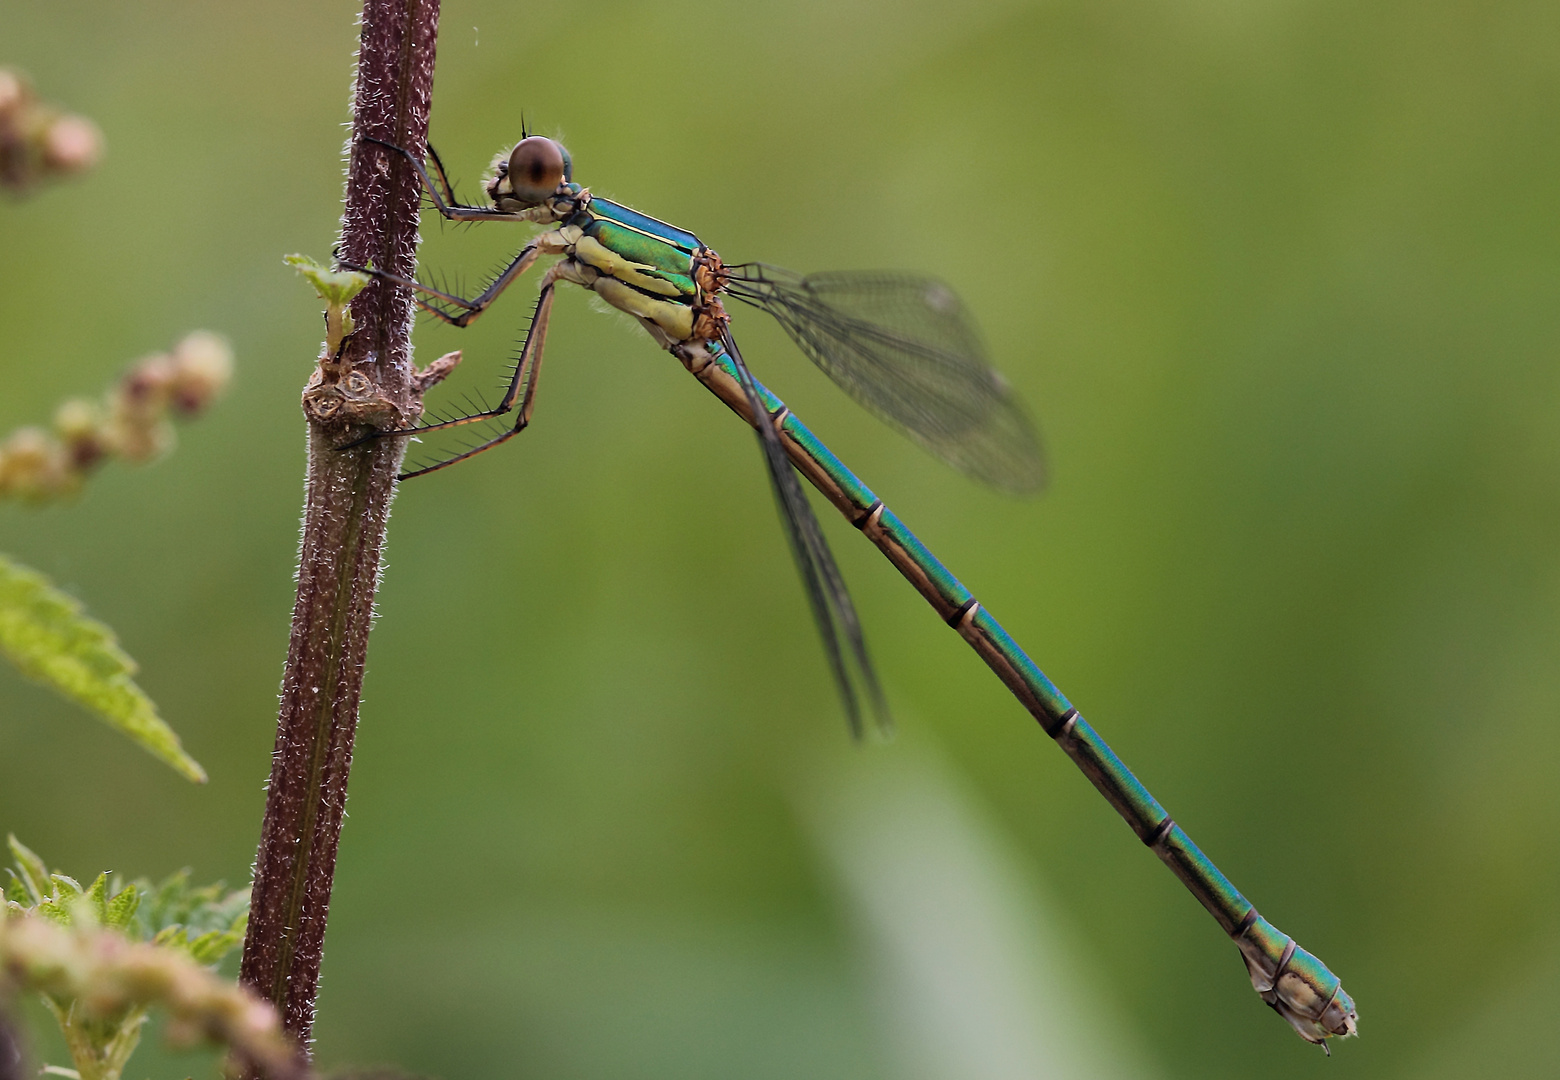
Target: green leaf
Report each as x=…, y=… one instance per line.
x=173, y=936
x=97, y=894
x=335, y=287
x=44, y=633
x=170, y=894
x=209, y=948
x=16, y=892
x=35, y=874
x=121, y=909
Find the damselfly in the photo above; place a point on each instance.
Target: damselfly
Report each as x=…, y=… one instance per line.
x=903, y=346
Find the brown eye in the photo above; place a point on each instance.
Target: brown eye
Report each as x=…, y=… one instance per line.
x=536, y=168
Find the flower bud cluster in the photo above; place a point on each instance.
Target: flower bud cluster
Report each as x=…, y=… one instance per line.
x=39, y=141
x=130, y=423
x=102, y=975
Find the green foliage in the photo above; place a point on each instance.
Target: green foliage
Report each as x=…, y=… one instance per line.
x=44, y=633
x=202, y=923
x=336, y=287
x=205, y=921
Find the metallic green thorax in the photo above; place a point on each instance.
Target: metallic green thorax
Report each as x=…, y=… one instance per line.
x=661, y=254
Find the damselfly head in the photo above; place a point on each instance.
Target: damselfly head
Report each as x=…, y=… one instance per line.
x=531, y=175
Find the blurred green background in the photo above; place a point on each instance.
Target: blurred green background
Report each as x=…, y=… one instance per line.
x=1279, y=280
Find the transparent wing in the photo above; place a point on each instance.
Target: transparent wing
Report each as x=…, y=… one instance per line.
x=830, y=601
x=903, y=346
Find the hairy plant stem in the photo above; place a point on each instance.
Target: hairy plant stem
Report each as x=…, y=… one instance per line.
x=347, y=506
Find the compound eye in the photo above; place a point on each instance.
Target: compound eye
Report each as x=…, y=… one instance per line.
x=536, y=168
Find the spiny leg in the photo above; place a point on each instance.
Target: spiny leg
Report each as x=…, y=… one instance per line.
x=470, y=309
x=522, y=387
x=444, y=177
x=449, y=209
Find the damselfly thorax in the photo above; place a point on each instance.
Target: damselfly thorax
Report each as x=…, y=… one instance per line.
x=653, y=271
x=660, y=274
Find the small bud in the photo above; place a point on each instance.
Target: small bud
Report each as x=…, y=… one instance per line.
x=145, y=387
x=201, y=366
x=14, y=93
x=33, y=466
x=79, y=424
x=138, y=437
x=76, y=418
x=133, y=421
x=72, y=144
x=23, y=453
x=39, y=141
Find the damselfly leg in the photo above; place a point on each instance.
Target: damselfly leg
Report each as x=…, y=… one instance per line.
x=521, y=388
x=466, y=311
x=444, y=202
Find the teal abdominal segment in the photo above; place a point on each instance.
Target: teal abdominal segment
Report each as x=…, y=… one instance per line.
x=1290, y=980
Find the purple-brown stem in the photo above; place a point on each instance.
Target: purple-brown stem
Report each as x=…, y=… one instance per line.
x=346, y=509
